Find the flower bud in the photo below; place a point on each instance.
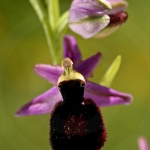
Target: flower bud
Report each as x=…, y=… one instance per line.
x=96, y=18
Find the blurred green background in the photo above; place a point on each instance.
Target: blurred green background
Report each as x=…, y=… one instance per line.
x=23, y=44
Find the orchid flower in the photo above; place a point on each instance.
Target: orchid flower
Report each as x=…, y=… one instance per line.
x=45, y=102
x=143, y=145
x=96, y=18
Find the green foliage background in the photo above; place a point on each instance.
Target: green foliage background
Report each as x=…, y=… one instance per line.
x=23, y=44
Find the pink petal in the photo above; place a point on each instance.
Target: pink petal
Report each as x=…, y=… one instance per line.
x=90, y=7
x=86, y=17
x=87, y=26
x=42, y=104
x=104, y=96
x=48, y=72
x=71, y=49
x=87, y=66
x=143, y=145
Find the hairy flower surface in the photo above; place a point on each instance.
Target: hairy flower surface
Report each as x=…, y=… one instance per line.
x=97, y=18
x=143, y=145
x=45, y=102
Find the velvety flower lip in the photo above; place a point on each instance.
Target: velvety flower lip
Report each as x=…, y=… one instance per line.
x=45, y=102
x=89, y=17
x=143, y=145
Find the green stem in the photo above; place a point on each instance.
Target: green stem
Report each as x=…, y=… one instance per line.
x=53, y=12
x=42, y=15
x=50, y=41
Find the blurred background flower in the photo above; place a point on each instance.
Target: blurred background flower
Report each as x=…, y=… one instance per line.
x=23, y=44
x=142, y=142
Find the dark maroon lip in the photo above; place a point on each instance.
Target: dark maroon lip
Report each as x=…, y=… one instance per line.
x=118, y=18
x=76, y=122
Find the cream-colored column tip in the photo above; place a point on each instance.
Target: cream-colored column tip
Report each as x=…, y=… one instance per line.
x=66, y=63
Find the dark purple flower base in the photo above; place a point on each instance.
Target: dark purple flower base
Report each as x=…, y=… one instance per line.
x=79, y=127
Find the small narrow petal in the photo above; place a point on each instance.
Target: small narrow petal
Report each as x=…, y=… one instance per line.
x=42, y=104
x=143, y=145
x=104, y=96
x=87, y=66
x=71, y=49
x=48, y=72
x=117, y=6
x=105, y=4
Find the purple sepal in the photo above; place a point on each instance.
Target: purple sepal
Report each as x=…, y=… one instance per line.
x=71, y=49
x=42, y=104
x=104, y=96
x=87, y=66
x=48, y=72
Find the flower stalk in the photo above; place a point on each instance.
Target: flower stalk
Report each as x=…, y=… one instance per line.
x=52, y=24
